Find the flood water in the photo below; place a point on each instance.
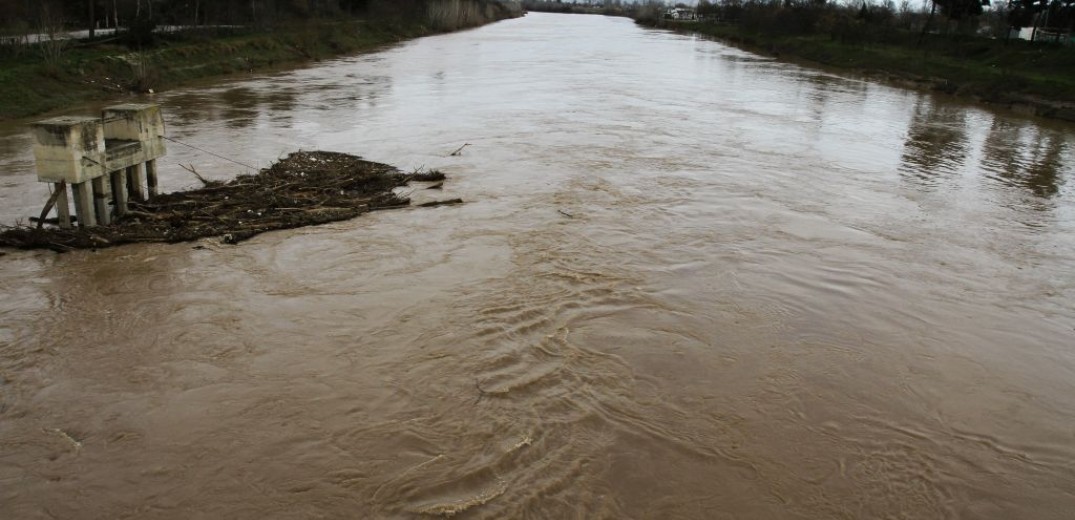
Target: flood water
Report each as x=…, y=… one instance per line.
x=688, y=282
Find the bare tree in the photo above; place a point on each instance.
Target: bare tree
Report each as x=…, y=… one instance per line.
x=50, y=29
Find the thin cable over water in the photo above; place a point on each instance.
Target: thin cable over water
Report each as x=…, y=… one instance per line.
x=214, y=154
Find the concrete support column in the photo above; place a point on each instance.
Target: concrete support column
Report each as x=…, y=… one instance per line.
x=83, y=193
x=151, y=178
x=119, y=191
x=134, y=183
x=101, y=194
x=63, y=208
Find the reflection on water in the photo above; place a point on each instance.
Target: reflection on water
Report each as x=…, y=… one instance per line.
x=936, y=145
x=688, y=282
x=241, y=106
x=1020, y=154
x=280, y=105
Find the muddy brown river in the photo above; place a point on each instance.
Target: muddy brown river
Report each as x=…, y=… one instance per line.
x=688, y=282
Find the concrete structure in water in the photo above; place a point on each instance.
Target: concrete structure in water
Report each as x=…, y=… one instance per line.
x=104, y=160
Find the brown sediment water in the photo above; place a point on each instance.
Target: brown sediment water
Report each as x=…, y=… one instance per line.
x=688, y=282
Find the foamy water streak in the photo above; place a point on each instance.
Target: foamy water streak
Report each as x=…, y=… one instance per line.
x=689, y=282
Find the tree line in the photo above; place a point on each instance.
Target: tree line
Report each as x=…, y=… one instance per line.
x=858, y=20
x=92, y=15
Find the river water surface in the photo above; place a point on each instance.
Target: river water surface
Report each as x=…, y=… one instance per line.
x=688, y=282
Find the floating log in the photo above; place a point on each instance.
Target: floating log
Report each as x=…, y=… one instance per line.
x=440, y=203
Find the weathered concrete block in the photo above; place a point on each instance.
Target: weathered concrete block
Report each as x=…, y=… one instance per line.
x=69, y=149
x=133, y=122
x=134, y=134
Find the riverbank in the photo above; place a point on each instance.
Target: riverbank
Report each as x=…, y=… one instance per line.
x=30, y=85
x=1027, y=77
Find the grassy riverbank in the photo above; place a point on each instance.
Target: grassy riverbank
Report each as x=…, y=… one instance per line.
x=30, y=84
x=1030, y=77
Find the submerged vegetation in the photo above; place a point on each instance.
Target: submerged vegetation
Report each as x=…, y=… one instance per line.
x=49, y=60
x=953, y=47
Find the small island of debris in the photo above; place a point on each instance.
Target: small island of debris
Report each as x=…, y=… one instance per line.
x=303, y=189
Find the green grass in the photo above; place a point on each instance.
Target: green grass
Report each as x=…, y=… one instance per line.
x=993, y=71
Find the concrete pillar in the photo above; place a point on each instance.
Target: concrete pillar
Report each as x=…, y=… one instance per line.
x=119, y=191
x=151, y=177
x=101, y=194
x=134, y=183
x=84, y=204
x=63, y=209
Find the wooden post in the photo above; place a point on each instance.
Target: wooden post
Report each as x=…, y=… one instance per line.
x=134, y=183
x=151, y=177
x=84, y=204
x=119, y=191
x=100, y=200
x=63, y=210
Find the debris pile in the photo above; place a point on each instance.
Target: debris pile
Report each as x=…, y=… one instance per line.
x=305, y=188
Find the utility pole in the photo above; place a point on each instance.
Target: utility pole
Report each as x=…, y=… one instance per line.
x=932, y=11
x=93, y=19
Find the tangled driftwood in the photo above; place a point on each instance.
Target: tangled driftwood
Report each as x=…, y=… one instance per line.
x=305, y=188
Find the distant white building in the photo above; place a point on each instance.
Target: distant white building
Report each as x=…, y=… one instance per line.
x=1042, y=35
x=681, y=13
